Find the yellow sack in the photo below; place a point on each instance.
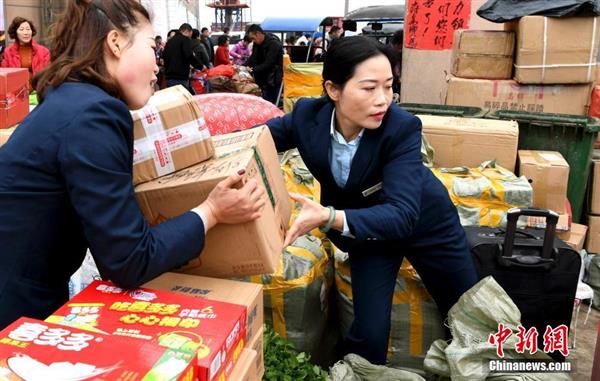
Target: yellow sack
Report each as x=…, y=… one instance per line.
x=483, y=195
x=415, y=321
x=301, y=80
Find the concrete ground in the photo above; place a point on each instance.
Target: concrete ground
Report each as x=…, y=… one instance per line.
x=583, y=354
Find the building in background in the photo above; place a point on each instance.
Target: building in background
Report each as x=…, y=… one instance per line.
x=230, y=13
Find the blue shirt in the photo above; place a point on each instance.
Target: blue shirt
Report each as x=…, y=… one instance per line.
x=340, y=159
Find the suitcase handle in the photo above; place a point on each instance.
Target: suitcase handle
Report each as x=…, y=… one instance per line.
x=511, y=229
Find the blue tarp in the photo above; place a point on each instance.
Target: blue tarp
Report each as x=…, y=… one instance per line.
x=289, y=24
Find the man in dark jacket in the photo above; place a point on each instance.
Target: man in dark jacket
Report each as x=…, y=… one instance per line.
x=199, y=50
x=266, y=62
x=210, y=47
x=178, y=56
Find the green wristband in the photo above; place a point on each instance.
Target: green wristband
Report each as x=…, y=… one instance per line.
x=329, y=224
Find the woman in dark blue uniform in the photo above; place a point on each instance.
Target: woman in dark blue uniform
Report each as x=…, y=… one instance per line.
x=66, y=172
x=379, y=203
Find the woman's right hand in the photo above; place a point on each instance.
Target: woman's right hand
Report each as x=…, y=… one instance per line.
x=230, y=202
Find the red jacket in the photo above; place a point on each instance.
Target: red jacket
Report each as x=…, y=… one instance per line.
x=222, y=56
x=40, y=57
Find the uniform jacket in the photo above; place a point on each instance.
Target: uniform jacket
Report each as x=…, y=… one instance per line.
x=391, y=199
x=66, y=186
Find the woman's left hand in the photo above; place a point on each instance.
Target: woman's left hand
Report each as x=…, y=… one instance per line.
x=311, y=216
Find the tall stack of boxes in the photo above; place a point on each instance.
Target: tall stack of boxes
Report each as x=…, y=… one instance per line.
x=554, y=66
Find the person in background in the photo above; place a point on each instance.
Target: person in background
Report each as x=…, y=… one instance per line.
x=266, y=62
x=335, y=33
x=396, y=42
x=66, y=172
x=226, y=31
x=210, y=47
x=171, y=34
x=25, y=52
x=241, y=51
x=161, y=82
x=199, y=50
x=222, y=54
x=379, y=203
x=178, y=57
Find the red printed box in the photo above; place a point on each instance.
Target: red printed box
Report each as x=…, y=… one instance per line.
x=209, y=328
x=32, y=350
x=14, y=96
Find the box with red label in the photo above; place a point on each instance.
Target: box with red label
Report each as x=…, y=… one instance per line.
x=209, y=328
x=36, y=350
x=169, y=134
x=14, y=96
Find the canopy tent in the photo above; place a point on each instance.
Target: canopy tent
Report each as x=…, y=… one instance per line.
x=289, y=24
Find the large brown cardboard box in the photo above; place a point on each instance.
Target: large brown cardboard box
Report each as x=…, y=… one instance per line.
x=554, y=50
x=425, y=70
x=259, y=140
x=469, y=142
x=574, y=237
x=5, y=134
x=222, y=290
x=257, y=344
x=230, y=250
x=595, y=188
x=592, y=244
x=486, y=54
x=169, y=134
x=548, y=173
x=494, y=95
x=245, y=368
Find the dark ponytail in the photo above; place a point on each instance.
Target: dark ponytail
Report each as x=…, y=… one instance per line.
x=77, y=49
x=346, y=53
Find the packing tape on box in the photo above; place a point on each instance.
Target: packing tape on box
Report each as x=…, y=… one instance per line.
x=159, y=142
x=591, y=62
x=11, y=98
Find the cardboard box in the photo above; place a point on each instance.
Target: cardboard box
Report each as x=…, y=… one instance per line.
x=211, y=329
x=554, y=50
x=245, y=294
x=230, y=250
x=563, y=225
x=548, y=173
x=483, y=54
x=494, y=95
x=5, y=135
x=257, y=344
x=169, y=134
x=595, y=188
x=574, y=237
x=35, y=350
x=425, y=71
x=592, y=244
x=14, y=96
x=259, y=140
x=469, y=142
x=245, y=369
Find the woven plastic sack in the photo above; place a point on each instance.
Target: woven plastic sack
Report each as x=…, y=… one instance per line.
x=86, y=274
x=356, y=368
x=593, y=279
x=301, y=80
x=416, y=321
x=483, y=195
x=472, y=320
x=225, y=113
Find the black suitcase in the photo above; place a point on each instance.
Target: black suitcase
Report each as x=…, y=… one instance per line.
x=538, y=271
